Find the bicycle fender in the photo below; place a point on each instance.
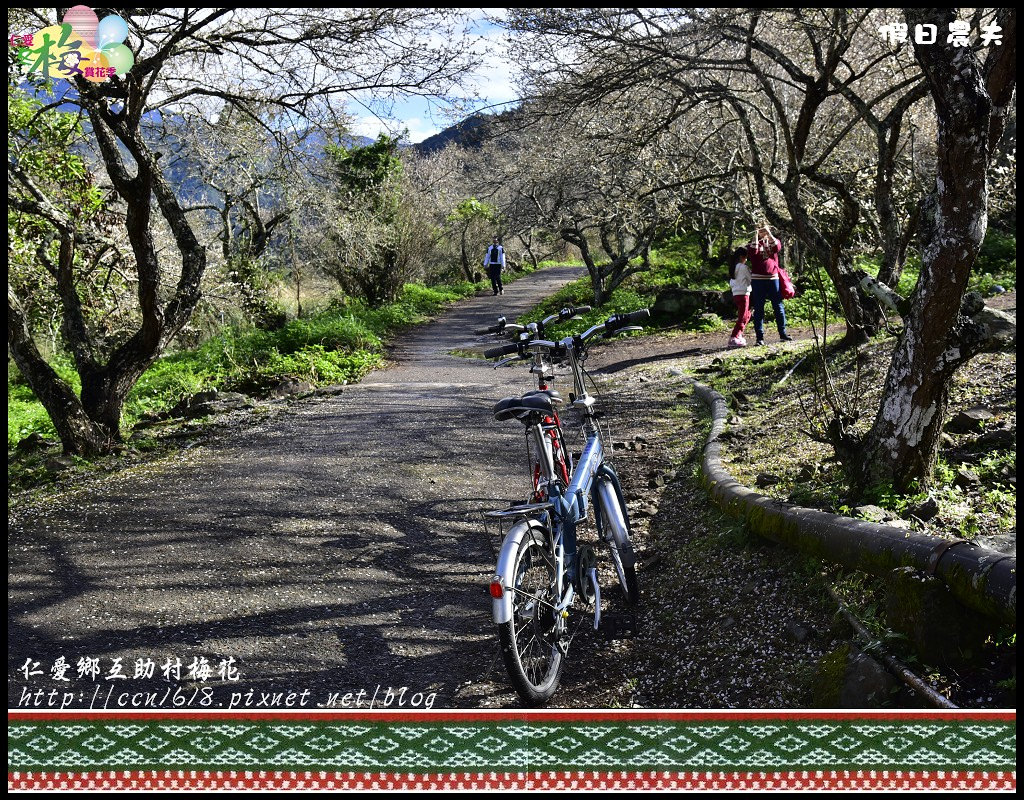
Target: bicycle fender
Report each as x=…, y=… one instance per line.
x=501, y=607
x=614, y=518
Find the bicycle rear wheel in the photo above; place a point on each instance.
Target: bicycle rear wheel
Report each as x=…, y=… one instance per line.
x=528, y=640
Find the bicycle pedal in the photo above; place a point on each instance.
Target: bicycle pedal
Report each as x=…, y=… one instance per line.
x=618, y=626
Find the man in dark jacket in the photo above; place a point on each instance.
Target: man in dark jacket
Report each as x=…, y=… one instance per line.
x=494, y=261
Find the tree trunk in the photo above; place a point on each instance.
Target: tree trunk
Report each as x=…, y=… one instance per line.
x=901, y=447
x=862, y=319
x=579, y=240
x=79, y=434
x=466, y=269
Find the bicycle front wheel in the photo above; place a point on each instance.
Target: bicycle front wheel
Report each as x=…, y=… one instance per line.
x=529, y=640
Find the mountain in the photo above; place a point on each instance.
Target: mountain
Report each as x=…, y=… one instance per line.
x=468, y=133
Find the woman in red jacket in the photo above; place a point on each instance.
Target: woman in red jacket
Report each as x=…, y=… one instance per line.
x=763, y=254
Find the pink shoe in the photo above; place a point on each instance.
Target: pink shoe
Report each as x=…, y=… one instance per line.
x=736, y=341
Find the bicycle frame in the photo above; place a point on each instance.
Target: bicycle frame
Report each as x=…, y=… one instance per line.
x=559, y=508
x=565, y=509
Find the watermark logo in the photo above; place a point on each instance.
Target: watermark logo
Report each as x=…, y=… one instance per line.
x=897, y=33
x=82, y=45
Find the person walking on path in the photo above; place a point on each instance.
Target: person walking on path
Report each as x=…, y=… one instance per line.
x=494, y=261
x=763, y=253
x=739, y=282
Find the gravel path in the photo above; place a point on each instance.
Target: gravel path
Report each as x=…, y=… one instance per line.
x=336, y=548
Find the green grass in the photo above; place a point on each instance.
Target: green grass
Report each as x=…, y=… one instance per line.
x=337, y=345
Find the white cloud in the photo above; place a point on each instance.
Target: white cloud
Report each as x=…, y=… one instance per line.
x=418, y=128
x=491, y=88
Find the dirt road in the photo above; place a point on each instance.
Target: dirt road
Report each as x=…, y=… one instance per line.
x=335, y=549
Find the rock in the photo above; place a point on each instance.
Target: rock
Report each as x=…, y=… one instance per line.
x=58, y=464
x=765, y=479
x=807, y=471
x=966, y=479
x=873, y=513
x=847, y=678
x=969, y=421
x=1001, y=326
x=1003, y=439
x=656, y=482
x=926, y=510
x=734, y=419
x=33, y=441
x=940, y=629
x=290, y=386
x=796, y=632
x=206, y=403
x=867, y=683
x=186, y=407
x=204, y=397
x=685, y=305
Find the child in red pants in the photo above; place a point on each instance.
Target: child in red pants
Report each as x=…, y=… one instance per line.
x=739, y=282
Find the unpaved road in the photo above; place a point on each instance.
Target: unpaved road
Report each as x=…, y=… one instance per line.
x=336, y=548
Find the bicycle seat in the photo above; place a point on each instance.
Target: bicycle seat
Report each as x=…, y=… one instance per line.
x=521, y=408
x=556, y=398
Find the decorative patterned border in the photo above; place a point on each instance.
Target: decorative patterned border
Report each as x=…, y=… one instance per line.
x=517, y=750
x=587, y=781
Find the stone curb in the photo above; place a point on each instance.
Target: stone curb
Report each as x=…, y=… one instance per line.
x=980, y=578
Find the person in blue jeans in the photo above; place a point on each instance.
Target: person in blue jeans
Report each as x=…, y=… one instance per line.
x=763, y=255
x=494, y=263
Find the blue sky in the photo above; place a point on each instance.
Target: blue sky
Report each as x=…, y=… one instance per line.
x=423, y=117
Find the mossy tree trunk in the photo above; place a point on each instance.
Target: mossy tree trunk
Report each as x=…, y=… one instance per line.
x=971, y=103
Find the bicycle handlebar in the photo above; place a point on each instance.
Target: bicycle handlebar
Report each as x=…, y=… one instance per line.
x=493, y=329
x=617, y=321
x=614, y=323
x=504, y=350
x=566, y=313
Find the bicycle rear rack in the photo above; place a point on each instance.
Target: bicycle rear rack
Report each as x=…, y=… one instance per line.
x=524, y=510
